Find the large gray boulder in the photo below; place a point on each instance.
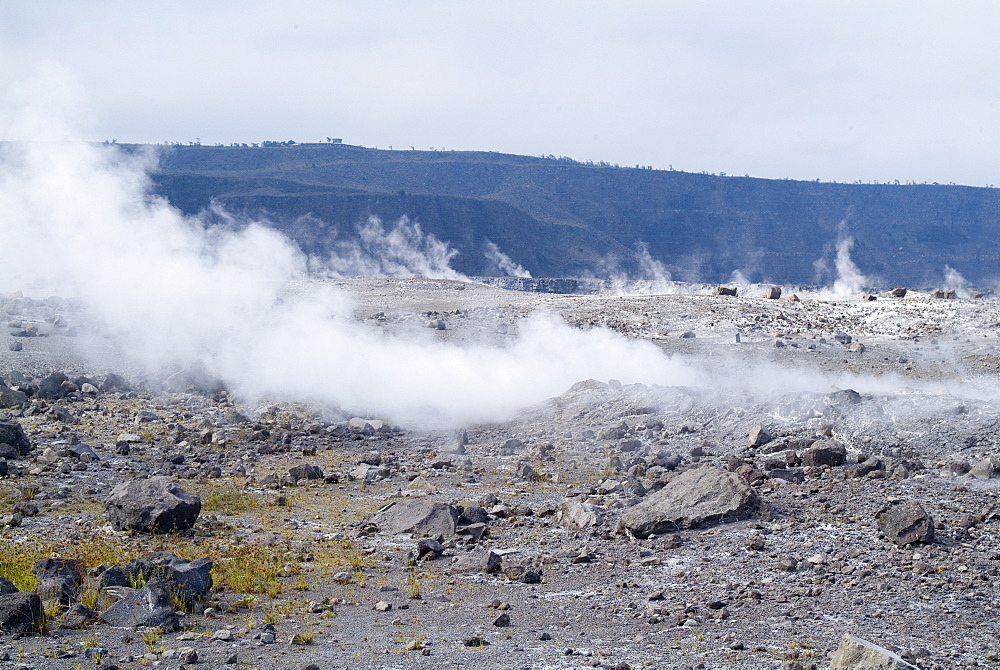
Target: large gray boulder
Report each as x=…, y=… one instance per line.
x=855, y=654
x=9, y=398
x=51, y=387
x=420, y=516
x=191, y=581
x=21, y=612
x=154, y=505
x=149, y=606
x=11, y=433
x=988, y=468
x=906, y=524
x=193, y=380
x=575, y=515
x=825, y=452
x=700, y=496
x=59, y=580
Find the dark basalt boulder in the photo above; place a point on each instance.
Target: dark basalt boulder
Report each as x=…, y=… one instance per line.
x=825, y=452
x=191, y=581
x=12, y=434
x=51, y=388
x=21, y=612
x=906, y=524
x=155, y=505
x=59, y=580
x=149, y=606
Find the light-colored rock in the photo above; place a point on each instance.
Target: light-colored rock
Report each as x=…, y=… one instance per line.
x=575, y=515
x=420, y=516
x=857, y=654
x=697, y=497
x=988, y=468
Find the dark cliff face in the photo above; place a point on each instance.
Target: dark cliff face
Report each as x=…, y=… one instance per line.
x=561, y=218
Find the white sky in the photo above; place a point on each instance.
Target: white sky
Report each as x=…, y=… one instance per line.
x=806, y=89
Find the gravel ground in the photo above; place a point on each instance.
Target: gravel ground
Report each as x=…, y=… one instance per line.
x=774, y=589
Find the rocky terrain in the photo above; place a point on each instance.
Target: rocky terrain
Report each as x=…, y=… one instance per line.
x=833, y=472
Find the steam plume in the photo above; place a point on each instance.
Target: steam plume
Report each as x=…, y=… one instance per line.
x=653, y=277
x=404, y=250
x=737, y=277
x=503, y=262
x=954, y=281
x=79, y=221
x=849, y=278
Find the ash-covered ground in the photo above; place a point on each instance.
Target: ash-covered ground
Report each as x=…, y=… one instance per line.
x=828, y=414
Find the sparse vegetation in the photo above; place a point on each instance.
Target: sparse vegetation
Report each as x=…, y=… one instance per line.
x=250, y=568
x=226, y=498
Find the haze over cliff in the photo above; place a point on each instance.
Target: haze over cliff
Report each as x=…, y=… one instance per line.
x=558, y=218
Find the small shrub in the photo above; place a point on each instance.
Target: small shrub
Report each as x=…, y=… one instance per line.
x=151, y=638
x=412, y=585
x=137, y=581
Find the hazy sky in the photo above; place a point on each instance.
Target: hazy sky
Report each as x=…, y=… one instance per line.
x=808, y=89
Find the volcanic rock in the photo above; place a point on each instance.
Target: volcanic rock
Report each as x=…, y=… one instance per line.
x=473, y=514
x=115, y=383
x=825, y=452
x=700, y=496
x=51, y=387
x=75, y=617
x=869, y=465
x=906, y=524
x=10, y=399
x=856, y=654
x=12, y=434
x=575, y=515
x=83, y=452
x=20, y=612
x=526, y=473
x=6, y=586
x=308, y=472
x=758, y=437
x=193, y=381
x=364, y=426
x=988, y=468
x=420, y=517
x=190, y=580
x=149, y=606
x=477, y=561
x=773, y=293
x=152, y=505
x=59, y=579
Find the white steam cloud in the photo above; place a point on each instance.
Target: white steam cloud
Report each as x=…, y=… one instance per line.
x=77, y=220
x=653, y=277
x=849, y=280
x=954, y=281
x=404, y=250
x=503, y=263
x=737, y=277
